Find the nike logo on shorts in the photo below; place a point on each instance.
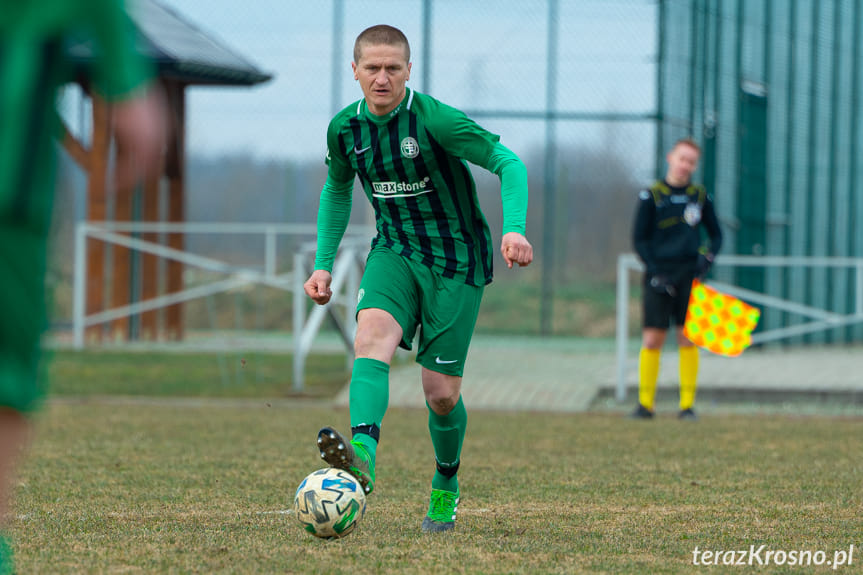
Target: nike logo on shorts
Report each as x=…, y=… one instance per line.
x=443, y=361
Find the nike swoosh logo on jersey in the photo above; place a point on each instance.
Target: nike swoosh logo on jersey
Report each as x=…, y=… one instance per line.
x=442, y=361
x=358, y=151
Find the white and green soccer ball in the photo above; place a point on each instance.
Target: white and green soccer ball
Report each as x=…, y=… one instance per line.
x=329, y=503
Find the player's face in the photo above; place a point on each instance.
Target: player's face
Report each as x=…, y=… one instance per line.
x=382, y=72
x=682, y=163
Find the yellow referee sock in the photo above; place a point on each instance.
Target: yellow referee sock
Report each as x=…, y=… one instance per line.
x=688, y=376
x=648, y=373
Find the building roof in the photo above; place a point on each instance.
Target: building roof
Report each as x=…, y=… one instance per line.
x=181, y=50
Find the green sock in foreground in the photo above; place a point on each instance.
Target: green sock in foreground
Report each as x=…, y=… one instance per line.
x=369, y=395
x=7, y=564
x=447, y=436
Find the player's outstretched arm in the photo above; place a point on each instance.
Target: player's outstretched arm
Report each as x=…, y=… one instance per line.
x=513, y=187
x=125, y=80
x=516, y=249
x=317, y=286
x=333, y=215
x=139, y=132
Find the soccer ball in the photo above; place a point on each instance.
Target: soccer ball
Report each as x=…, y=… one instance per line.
x=329, y=503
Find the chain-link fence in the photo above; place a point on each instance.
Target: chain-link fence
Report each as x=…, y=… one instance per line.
x=589, y=93
x=772, y=88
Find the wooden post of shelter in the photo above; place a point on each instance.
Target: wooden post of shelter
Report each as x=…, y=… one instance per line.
x=175, y=171
x=149, y=330
x=121, y=269
x=97, y=201
x=95, y=163
x=175, y=46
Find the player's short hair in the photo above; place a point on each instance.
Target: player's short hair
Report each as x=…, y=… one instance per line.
x=687, y=142
x=381, y=34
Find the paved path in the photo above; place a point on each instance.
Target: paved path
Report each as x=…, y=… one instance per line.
x=568, y=375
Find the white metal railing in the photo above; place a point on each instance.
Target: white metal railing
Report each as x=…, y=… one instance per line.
x=346, y=274
x=347, y=271
x=821, y=319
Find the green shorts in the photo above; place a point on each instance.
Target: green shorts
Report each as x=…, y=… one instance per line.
x=444, y=309
x=22, y=291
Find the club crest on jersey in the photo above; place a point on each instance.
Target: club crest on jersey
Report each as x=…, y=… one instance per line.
x=410, y=148
x=692, y=214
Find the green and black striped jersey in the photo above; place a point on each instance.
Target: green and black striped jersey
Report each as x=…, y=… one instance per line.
x=411, y=163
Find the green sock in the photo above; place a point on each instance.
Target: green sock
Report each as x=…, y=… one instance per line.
x=369, y=398
x=447, y=435
x=7, y=564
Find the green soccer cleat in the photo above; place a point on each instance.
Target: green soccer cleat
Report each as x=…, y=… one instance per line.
x=347, y=455
x=442, y=510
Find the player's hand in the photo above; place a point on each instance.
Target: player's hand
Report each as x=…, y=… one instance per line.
x=317, y=286
x=139, y=125
x=516, y=249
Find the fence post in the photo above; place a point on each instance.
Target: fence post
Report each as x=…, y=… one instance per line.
x=270, y=252
x=299, y=305
x=352, y=288
x=622, y=324
x=858, y=299
x=79, y=285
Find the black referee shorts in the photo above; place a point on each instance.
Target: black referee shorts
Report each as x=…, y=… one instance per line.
x=661, y=310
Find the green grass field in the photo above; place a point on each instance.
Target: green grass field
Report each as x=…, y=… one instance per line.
x=230, y=374
x=133, y=485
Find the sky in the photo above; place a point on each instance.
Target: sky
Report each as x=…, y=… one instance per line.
x=489, y=59
x=485, y=56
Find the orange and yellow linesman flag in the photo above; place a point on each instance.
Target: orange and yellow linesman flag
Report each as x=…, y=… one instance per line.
x=718, y=322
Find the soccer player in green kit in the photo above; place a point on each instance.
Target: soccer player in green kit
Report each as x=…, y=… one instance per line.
x=32, y=66
x=430, y=259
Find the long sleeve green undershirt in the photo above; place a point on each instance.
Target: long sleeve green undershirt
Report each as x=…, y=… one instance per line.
x=513, y=187
x=334, y=212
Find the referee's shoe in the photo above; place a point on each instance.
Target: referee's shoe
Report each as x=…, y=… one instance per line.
x=641, y=412
x=687, y=415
